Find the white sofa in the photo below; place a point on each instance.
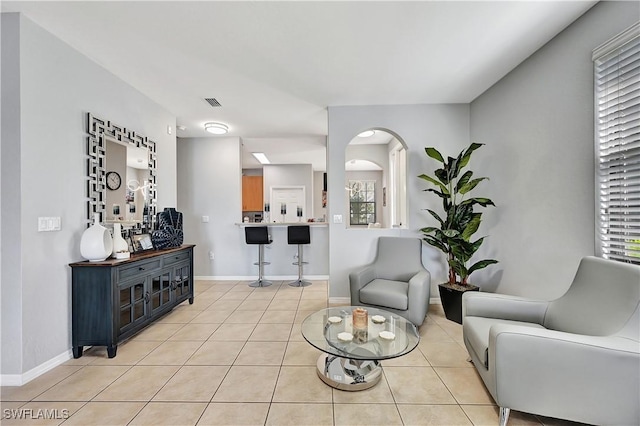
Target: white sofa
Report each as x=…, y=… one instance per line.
x=574, y=358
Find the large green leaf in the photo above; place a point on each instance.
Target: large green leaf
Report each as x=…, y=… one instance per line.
x=471, y=184
x=452, y=168
x=433, y=153
x=438, y=193
x=451, y=233
x=459, y=268
x=481, y=264
x=484, y=202
x=438, y=218
x=439, y=184
x=435, y=243
x=472, y=226
x=443, y=175
x=467, y=154
x=463, y=180
x=429, y=229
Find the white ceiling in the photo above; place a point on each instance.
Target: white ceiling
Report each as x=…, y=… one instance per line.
x=276, y=66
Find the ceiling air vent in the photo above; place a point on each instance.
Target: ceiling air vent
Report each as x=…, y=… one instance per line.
x=213, y=102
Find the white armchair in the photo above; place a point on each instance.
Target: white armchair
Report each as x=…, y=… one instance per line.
x=574, y=358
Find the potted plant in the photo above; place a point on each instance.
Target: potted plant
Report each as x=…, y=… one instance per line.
x=461, y=221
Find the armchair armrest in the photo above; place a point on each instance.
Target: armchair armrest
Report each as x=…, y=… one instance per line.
x=358, y=279
x=419, y=292
x=420, y=287
x=595, y=377
x=501, y=306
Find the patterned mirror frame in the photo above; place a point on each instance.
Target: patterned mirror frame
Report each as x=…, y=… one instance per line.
x=99, y=131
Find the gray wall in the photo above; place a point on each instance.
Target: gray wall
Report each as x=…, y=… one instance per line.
x=538, y=125
x=11, y=183
x=45, y=148
x=443, y=126
x=210, y=184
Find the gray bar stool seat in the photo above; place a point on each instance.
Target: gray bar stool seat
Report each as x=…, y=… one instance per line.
x=258, y=235
x=300, y=235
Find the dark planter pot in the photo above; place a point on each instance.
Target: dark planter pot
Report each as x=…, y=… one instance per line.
x=451, y=298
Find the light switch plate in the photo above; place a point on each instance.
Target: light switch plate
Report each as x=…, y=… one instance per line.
x=47, y=224
x=205, y=219
x=337, y=218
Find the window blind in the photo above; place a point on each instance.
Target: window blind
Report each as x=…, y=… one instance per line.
x=617, y=110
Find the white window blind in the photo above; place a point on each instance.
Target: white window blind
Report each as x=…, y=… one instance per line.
x=617, y=111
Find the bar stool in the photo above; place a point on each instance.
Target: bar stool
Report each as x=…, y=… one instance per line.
x=299, y=234
x=258, y=235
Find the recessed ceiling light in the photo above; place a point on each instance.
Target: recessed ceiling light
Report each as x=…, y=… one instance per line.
x=216, y=128
x=261, y=157
x=366, y=133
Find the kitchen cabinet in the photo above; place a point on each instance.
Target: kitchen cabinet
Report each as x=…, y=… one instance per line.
x=114, y=299
x=252, y=194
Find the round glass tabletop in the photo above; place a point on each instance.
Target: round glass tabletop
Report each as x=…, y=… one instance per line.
x=382, y=335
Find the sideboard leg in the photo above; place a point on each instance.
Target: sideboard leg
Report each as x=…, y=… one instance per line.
x=111, y=351
x=191, y=300
x=77, y=351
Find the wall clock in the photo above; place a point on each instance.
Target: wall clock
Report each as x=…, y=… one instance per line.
x=113, y=180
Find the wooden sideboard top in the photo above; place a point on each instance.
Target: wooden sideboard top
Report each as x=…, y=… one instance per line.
x=134, y=257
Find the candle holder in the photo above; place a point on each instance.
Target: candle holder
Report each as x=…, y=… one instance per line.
x=267, y=209
x=283, y=211
x=360, y=321
x=299, y=213
x=360, y=318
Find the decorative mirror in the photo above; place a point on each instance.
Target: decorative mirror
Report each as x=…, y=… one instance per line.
x=121, y=172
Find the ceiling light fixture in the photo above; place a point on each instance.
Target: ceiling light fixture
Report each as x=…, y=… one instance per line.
x=216, y=128
x=261, y=157
x=366, y=133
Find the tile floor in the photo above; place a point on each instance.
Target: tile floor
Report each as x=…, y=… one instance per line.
x=236, y=357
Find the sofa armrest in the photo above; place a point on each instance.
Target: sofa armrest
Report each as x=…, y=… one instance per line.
x=358, y=279
x=501, y=306
x=594, y=377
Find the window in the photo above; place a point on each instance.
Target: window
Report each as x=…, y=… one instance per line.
x=362, y=202
x=617, y=140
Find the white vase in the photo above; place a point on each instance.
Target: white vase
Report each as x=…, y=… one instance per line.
x=119, y=243
x=96, y=243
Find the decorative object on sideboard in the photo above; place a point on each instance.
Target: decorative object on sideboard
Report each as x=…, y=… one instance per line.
x=141, y=242
x=267, y=209
x=169, y=233
x=96, y=243
x=119, y=243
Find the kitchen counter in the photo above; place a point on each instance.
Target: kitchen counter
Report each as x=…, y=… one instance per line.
x=280, y=224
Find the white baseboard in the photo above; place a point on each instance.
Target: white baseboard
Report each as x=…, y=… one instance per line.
x=253, y=277
x=435, y=301
x=21, y=379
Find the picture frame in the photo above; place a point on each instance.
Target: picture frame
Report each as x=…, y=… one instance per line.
x=141, y=242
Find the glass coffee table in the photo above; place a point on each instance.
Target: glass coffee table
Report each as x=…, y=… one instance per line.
x=352, y=355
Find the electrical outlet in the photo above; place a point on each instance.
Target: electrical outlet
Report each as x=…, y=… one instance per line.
x=211, y=256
